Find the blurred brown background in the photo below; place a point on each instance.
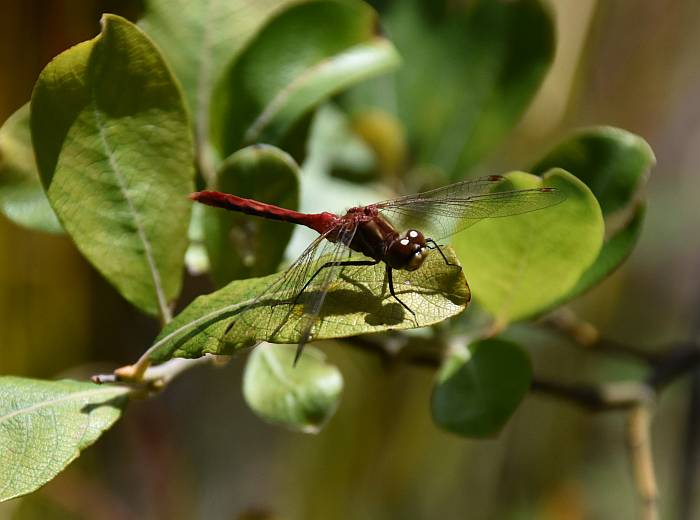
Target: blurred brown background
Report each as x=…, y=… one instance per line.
x=197, y=452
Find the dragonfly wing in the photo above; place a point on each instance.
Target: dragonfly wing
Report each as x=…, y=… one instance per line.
x=442, y=212
x=289, y=308
x=328, y=261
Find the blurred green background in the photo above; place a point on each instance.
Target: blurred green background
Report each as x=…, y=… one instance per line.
x=198, y=452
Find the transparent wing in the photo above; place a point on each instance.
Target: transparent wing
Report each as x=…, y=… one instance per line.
x=330, y=272
x=289, y=307
x=444, y=211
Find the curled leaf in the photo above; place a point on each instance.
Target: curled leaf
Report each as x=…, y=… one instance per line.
x=301, y=397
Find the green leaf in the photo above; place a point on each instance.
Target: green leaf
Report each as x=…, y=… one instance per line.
x=477, y=391
x=469, y=71
x=44, y=425
x=199, y=38
x=614, y=164
x=356, y=303
x=615, y=250
x=301, y=57
x=22, y=199
x=115, y=154
x=241, y=246
x=301, y=397
x=520, y=266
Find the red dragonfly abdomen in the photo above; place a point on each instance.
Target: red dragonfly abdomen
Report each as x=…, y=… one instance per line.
x=319, y=222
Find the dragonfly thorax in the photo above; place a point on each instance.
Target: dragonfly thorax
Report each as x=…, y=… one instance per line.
x=407, y=252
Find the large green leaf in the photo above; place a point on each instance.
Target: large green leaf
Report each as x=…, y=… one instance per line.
x=469, y=71
x=614, y=164
x=301, y=397
x=22, y=198
x=200, y=38
x=479, y=389
x=301, y=57
x=44, y=425
x=241, y=246
x=115, y=154
x=519, y=266
x=357, y=303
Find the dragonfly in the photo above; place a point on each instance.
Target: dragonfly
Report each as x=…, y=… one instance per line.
x=400, y=233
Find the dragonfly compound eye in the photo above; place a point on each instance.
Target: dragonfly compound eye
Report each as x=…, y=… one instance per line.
x=408, y=252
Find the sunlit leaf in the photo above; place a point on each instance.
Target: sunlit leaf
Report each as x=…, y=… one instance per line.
x=357, y=303
x=301, y=397
x=44, y=425
x=469, y=71
x=614, y=164
x=241, y=246
x=115, y=154
x=22, y=199
x=301, y=57
x=478, y=390
x=520, y=266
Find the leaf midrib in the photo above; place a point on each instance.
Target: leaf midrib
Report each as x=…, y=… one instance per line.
x=71, y=396
x=121, y=182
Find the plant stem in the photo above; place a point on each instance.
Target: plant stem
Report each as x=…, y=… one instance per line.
x=596, y=398
x=584, y=334
x=639, y=442
x=159, y=376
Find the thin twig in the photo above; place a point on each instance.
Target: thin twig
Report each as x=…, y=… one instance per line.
x=596, y=398
x=586, y=335
x=673, y=362
x=157, y=377
x=690, y=454
x=639, y=441
x=676, y=361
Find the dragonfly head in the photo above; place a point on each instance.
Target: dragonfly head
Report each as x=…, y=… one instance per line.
x=408, y=252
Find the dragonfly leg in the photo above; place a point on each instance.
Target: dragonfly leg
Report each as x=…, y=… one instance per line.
x=390, y=278
x=436, y=246
x=333, y=264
